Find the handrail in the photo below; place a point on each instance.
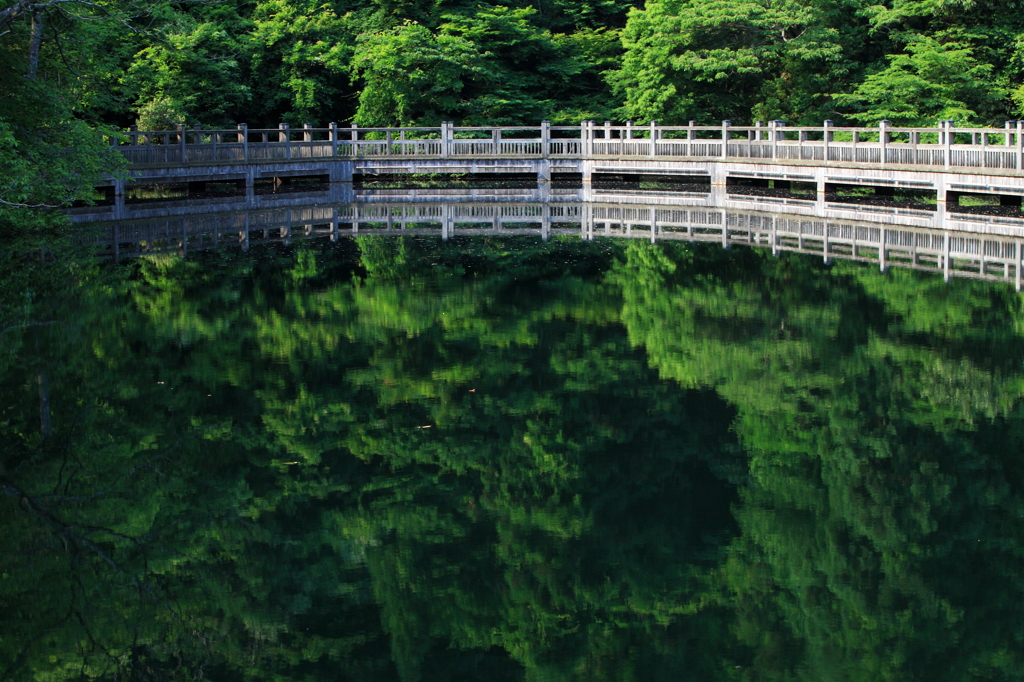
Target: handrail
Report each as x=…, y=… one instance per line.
x=945, y=146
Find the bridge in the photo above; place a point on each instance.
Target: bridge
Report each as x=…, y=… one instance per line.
x=951, y=252
x=573, y=163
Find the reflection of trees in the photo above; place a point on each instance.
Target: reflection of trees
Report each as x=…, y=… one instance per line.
x=483, y=462
x=881, y=416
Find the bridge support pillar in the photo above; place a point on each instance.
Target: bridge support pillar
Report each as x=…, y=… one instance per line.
x=544, y=180
x=586, y=187
x=119, y=187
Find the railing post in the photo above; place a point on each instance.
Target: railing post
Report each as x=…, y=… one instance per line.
x=654, y=138
x=496, y=139
x=307, y=135
x=773, y=137
x=181, y=143
x=545, y=139
x=828, y=137
x=243, y=130
x=133, y=136
x=1008, y=127
x=445, y=148
x=689, y=137
x=947, y=139
x=284, y=132
x=1020, y=145
x=883, y=140
x=354, y=138
x=333, y=136
x=725, y=138
x=629, y=130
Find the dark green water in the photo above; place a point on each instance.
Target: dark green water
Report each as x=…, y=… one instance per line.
x=496, y=460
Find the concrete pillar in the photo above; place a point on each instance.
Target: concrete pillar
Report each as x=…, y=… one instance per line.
x=828, y=137
x=587, y=173
x=1020, y=145
x=544, y=180
x=725, y=138
x=250, y=183
x=946, y=133
x=882, y=264
x=243, y=133
x=285, y=136
x=883, y=140
x=1017, y=261
x=545, y=141
x=945, y=257
x=182, y=154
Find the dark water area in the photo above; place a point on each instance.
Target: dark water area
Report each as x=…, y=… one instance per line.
x=508, y=459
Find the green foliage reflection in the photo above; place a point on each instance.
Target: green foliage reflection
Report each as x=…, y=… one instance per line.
x=504, y=459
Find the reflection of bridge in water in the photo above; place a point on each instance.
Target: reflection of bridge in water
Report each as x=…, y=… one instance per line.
x=949, y=250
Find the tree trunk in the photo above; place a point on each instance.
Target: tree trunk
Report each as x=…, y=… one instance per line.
x=33, y=45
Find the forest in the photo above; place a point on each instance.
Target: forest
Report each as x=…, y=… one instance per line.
x=405, y=460
x=71, y=67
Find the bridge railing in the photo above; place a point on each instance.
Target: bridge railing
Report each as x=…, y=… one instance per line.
x=943, y=147
x=189, y=146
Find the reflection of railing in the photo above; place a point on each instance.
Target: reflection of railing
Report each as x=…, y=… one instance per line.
x=999, y=149
x=954, y=254
x=960, y=254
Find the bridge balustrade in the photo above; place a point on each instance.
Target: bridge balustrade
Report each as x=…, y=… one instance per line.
x=946, y=146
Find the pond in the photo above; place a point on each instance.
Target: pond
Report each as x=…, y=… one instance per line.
x=507, y=456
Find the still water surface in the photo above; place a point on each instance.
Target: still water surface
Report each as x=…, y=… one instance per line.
x=499, y=459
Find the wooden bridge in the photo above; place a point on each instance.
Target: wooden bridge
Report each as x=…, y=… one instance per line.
x=568, y=162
